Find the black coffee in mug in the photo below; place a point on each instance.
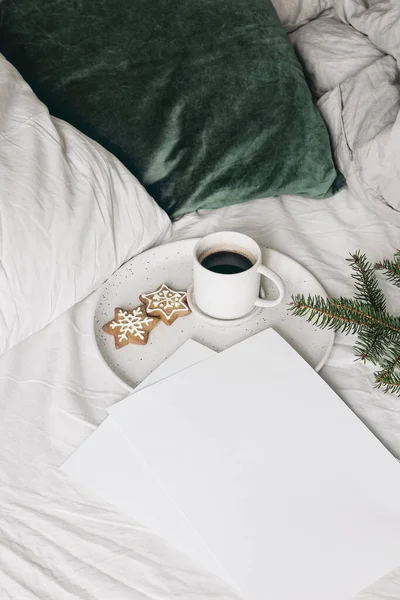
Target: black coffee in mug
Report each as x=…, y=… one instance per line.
x=226, y=262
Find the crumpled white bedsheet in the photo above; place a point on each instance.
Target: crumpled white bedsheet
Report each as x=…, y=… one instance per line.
x=70, y=213
x=58, y=542
x=352, y=56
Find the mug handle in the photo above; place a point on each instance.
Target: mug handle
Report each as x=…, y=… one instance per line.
x=266, y=272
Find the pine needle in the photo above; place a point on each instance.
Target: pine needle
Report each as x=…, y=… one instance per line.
x=343, y=314
x=389, y=384
x=366, y=282
x=365, y=315
x=370, y=345
x=391, y=269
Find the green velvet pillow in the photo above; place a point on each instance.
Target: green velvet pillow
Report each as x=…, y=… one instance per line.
x=203, y=100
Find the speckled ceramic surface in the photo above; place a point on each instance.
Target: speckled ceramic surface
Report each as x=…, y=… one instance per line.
x=172, y=264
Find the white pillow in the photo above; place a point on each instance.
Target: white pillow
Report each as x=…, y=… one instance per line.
x=70, y=213
x=294, y=13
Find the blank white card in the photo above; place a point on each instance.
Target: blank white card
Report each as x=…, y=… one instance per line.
x=107, y=464
x=292, y=494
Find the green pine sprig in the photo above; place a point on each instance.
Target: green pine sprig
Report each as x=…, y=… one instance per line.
x=365, y=315
x=391, y=385
x=366, y=282
x=391, y=269
x=388, y=377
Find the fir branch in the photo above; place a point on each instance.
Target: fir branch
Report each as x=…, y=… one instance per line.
x=389, y=376
x=390, y=385
x=343, y=314
x=390, y=362
x=324, y=313
x=366, y=282
x=378, y=332
x=391, y=268
x=370, y=345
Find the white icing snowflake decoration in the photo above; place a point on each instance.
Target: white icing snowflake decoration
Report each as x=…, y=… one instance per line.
x=165, y=301
x=130, y=326
x=131, y=322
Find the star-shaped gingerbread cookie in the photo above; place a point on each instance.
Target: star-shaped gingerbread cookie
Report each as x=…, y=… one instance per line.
x=166, y=303
x=130, y=326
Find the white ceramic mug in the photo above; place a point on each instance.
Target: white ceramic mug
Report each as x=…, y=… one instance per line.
x=231, y=296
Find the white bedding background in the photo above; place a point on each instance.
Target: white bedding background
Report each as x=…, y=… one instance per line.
x=352, y=55
x=58, y=542
x=70, y=213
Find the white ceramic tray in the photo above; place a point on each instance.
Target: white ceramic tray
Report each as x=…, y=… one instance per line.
x=172, y=264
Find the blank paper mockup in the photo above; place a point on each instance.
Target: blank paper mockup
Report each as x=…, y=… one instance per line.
x=107, y=464
x=290, y=492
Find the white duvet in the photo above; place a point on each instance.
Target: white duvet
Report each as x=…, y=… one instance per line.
x=352, y=54
x=58, y=542
x=70, y=213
